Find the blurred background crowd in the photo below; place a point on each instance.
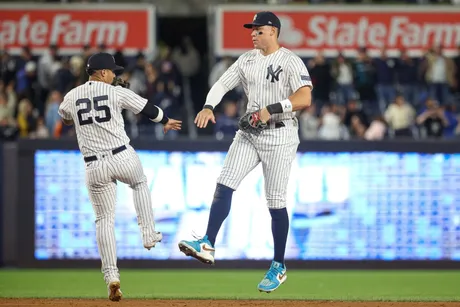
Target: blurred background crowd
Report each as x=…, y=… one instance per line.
x=365, y=97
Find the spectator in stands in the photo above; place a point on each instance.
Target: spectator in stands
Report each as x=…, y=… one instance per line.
x=456, y=62
x=169, y=103
x=227, y=122
x=400, y=117
x=364, y=80
x=330, y=127
x=25, y=57
x=342, y=72
x=187, y=58
x=432, y=120
x=101, y=48
x=218, y=70
x=137, y=77
x=26, y=82
x=452, y=121
x=357, y=127
x=166, y=66
x=7, y=105
x=52, y=117
x=41, y=132
x=8, y=68
x=308, y=123
x=320, y=72
x=76, y=63
x=64, y=80
x=407, y=76
x=86, y=53
x=439, y=74
x=353, y=109
x=385, y=79
x=25, y=119
x=377, y=129
x=47, y=66
x=151, y=76
x=120, y=58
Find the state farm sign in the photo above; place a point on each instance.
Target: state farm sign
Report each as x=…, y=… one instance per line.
x=308, y=29
x=72, y=26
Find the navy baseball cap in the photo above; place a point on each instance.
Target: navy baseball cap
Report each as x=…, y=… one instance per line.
x=264, y=19
x=103, y=60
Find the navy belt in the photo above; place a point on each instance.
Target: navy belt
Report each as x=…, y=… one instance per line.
x=114, y=152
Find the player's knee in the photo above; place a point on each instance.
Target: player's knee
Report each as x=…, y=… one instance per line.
x=223, y=191
x=105, y=218
x=274, y=204
x=139, y=184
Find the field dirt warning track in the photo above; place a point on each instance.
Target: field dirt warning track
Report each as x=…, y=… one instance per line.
x=213, y=303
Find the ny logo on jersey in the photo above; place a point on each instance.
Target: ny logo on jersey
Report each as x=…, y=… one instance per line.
x=274, y=74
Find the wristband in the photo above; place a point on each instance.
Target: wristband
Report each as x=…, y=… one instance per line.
x=287, y=105
x=208, y=106
x=284, y=106
x=164, y=120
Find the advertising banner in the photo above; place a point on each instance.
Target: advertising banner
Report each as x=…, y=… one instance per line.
x=332, y=29
x=342, y=206
x=70, y=26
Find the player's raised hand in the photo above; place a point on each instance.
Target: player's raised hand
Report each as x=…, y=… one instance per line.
x=203, y=117
x=172, y=124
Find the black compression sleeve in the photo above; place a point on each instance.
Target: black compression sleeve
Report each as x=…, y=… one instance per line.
x=154, y=113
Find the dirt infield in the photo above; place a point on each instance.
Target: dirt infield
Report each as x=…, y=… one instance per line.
x=213, y=303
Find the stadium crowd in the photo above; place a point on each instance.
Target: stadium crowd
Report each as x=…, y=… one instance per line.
x=362, y=97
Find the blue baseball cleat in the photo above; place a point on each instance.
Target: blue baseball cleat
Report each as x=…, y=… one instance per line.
x=201, y=249
x=275, y=276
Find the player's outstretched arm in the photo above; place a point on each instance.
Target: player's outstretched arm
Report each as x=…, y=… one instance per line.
x=132, y=101
x=157, y=115
x=204, y=116
x=228, y=81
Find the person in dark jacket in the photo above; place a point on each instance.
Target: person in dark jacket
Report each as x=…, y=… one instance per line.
x=407, y=78
x=385, y=79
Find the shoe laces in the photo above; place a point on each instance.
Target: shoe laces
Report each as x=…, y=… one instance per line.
x=271, y=274
x=197, y=236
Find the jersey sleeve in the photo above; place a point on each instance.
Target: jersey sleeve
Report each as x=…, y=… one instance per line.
x=232, y=76
x=130, y=100
x=64, y=109
x=298, y=74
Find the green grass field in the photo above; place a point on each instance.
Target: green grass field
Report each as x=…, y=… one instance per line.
x=214, y=284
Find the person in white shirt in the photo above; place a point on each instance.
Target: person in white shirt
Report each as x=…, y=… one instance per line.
x=400, y=117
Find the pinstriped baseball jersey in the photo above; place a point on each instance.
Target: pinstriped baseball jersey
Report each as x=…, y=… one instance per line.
x=266, y=80
x=95, y=108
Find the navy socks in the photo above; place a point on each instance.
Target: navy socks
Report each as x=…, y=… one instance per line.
x=280, y=229
x=220, y=209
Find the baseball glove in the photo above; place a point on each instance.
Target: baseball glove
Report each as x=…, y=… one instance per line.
x=119, y=81
x=251, y=123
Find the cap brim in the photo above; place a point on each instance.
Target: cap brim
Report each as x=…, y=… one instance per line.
x=250, y=25
x=118, y=69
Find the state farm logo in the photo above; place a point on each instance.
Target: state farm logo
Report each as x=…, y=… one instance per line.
x=72, y=28
x=306, y=31
x=399, y=31
x=62, y=28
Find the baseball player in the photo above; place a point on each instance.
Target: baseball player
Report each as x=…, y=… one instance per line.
x=277, y=84
x=95, y=109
